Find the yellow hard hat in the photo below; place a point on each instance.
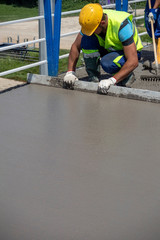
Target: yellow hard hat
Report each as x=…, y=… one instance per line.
x=90, y=18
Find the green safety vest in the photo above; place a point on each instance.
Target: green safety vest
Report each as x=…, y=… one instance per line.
x=112, y=42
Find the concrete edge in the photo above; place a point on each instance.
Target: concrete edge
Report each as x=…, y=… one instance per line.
x=130, y=93
x=13, y=87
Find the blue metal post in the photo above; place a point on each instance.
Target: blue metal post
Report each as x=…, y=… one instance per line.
x=125, y=6
x=52, y=40
x=122, y=6
x=49, y=36
x=56, y=34
x=118, y=5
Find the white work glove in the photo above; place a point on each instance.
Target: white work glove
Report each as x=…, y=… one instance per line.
x=70, y=78
x=152, y=15
x=104, y=85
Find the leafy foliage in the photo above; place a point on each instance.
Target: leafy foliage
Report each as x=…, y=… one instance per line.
x=28, y=3
x=68, y=5
x=12, y=12
x=65, y=3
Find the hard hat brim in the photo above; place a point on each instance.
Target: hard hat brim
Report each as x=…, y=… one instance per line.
x=88, y=33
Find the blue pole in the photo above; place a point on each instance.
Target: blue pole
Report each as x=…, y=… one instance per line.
x=49, y=36
x=56, y=34
x=52, y=36
x=118, y=5
x=125, y=6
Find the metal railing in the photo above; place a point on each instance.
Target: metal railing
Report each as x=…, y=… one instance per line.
x=44, y=39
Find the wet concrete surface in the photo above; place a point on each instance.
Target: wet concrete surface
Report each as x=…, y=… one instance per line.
x=77, y=165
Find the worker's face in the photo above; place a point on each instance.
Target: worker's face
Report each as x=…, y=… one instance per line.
x=101, y=28
x=98, y=30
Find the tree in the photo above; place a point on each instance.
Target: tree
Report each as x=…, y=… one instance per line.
x=28, y=3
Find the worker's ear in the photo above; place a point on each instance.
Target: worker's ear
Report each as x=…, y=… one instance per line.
x=103, y=22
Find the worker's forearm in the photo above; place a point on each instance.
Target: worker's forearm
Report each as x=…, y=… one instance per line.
x=157, y=4
x=125, y=70
x=73, y=58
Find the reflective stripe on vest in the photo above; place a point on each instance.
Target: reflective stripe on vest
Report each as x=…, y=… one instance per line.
x=90, y=53
x=116, y=61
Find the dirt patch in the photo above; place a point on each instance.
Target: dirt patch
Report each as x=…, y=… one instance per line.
x=9, y=84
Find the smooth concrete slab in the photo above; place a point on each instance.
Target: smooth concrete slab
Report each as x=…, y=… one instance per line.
x=77, y=165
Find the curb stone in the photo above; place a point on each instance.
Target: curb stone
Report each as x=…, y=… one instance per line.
x=130, y=93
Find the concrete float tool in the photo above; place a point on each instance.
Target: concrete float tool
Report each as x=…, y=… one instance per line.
x=155, y=65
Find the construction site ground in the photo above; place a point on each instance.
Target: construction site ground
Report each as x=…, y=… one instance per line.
x=29, y=30
x=150, y=84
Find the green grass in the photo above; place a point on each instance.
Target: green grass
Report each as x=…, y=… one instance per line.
x=8, y=64
x=140, y=5
x=11, y=12
x=145, y=38
x=75, y=4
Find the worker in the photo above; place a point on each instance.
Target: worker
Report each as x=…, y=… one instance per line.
x=107, y=38
x=153, y=14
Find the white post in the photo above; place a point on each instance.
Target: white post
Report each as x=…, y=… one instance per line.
x=42, y=46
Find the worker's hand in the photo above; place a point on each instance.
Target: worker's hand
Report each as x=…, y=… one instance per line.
x=104, y=85
x=152, y=15
x=70, y=78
